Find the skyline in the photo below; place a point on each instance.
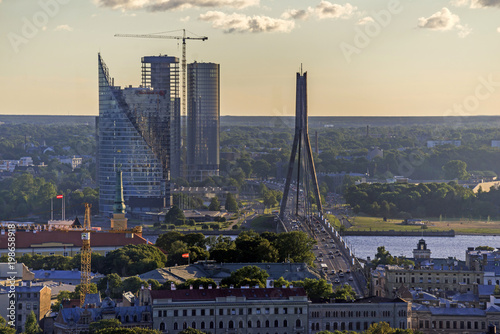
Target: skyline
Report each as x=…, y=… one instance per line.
x=382, y=58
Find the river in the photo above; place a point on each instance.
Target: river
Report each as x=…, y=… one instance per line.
x=441, y=247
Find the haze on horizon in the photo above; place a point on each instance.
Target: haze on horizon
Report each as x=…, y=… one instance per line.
x=376, y=58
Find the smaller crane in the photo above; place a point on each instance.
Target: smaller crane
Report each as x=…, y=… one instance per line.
x=86, y=256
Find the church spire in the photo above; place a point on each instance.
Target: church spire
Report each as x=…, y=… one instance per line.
x=119, y=206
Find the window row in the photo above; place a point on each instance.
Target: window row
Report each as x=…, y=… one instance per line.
x=230, y=324
x=231, y=311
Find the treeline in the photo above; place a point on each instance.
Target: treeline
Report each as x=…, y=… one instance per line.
x=126, y=261
x=422, y=200
x=249, y=246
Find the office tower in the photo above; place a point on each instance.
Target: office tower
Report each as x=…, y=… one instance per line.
x=203, y=120
x=134, y=134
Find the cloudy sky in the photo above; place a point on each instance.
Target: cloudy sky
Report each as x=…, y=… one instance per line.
x=363, y=57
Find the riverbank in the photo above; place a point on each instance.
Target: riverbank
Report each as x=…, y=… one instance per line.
x=392, y=233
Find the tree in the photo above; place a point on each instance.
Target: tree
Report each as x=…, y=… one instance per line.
x=96, y=326
x=5, y=328
x=345, y=292
x=134, y=284
x=31, y=326
x=315, y=289
x=455, y=169
x=134, y=260
x=249, y=275
x=190, y=330
x=78, y=288
x=174, y=215
x=111, y=285
x=485, y=248
x=295, y=246
x=165, y=240
x=214, y=204
x=60, y=297
x=231, y=204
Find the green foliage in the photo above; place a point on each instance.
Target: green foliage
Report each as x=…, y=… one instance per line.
x=249, y=275
x=135, y=330
x=384, y=257
x=174, y=215
x=496, y=292
x=190, y=330
x=485, y=248
x=455, y=169
x=78, y=288
x=295, y=246
x=103, y=324
x=133, y=284
x=133, y=260
x=315, y=289
x=231, y=204
x=60, y=297
x=31, y=326
x=111, y=285
x=214, y=204
x=345, y=292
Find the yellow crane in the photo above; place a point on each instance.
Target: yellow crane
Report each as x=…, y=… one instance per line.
x=183, y=38
x=86, y=256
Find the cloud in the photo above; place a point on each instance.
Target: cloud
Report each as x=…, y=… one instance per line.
x=442, y=20
x=63, y=27
x=327, y=10
x=184, y=19
x=498, y=29
x=166, y=5
x=476, y=3
x=296, y=14
x=235, y=22
x=365, y=20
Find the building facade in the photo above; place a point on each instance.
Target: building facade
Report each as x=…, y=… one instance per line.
x=203, y=103
x=30, y=298
x=241, y=310
x=135, y=129
x=359, y=314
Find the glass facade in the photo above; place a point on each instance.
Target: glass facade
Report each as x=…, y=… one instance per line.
x=203, y=104
x=134, y=134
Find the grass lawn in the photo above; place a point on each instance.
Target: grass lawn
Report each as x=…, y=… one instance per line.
x=461, y=226
x=262, y=223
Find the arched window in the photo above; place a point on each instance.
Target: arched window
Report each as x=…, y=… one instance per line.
x=249, y=324
x=126, y=318
x=342, y=326
x=267, y=323
x=285, y=323
x=211, y=324
x=240, y=325
x=276, y=323
x=119, y=318
x=335, y=326
x=298, y=323
x=258, y=323
x=312, y=326
x=162, y=326
x=184, y=325
x=193, y=325
x=135, y=318
x=327, y=326
x=231, y=324
x=317, y=326
x=176, y=327
x=221, y=324
x=202, y=325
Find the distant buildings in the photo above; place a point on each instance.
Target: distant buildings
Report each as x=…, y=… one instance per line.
x=434, y=143
x=203, y=100
x=138, y=131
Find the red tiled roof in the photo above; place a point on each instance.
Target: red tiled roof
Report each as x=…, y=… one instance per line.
x=74, y=238
x=212, y=294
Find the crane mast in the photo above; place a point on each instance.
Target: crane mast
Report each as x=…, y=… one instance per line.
x=86, y=255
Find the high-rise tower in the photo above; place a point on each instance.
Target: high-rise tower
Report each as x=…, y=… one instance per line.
x=203, y=120
x=134, y=130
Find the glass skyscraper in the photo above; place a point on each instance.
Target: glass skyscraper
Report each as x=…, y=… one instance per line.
x=137, y=132
x=203, y=104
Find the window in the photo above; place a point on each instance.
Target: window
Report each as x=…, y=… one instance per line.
x=202, y=311
x=185, y=313
x=285, y=323
x=276, y=323
x=231, y=324
x=233, y=311
x=162, y=326
x=285, y=310
x=221, y=311
x=193, y=325
x=193, y=313
x=212, y=312
x=257, y=311
x=276, y=310
x=176, y=313
x=28, y=306
x=267, y=310
x=267, y=324
x=221, y=324
x=249, y=324
x=202, y=325
x=240, y=311
x=20, y=306
x=176, y=327
x=240, y=324
x=258, y=323
x=211, y=324
x=249, y=311
x=184, y=325
x=20, y=317
x=66, y=254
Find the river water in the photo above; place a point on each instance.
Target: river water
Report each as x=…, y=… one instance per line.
x=441, y=247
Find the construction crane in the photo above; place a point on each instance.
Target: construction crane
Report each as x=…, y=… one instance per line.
x=184, y=38
x=86, y=255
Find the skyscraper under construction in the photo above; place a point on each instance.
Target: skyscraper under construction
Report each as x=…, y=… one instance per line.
x=203, y=120
x=138, y=131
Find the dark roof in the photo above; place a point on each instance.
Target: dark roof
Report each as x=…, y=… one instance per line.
x=212, y=294
x=71, y=239
x=76, y=223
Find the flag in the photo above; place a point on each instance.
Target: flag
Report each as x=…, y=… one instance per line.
x=59, y=196
x=185, y=255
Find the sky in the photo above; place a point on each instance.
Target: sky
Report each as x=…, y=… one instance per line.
x=362, y=57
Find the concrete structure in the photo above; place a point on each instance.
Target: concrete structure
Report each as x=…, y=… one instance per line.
x=241, y=310
x=203, y=104
x=77, y=320
x=135, y=128
x=421, y=252
x=74, y=162
x=29, y=298
x=358, y=315
x=434, y=143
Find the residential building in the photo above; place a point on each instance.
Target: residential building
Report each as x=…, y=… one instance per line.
x=203, y=102
x=240, y=310
x=135, y=128
x=434, y=143
x=359, y=314
x=77, y=320
x=74, y=162
x=30, y=298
